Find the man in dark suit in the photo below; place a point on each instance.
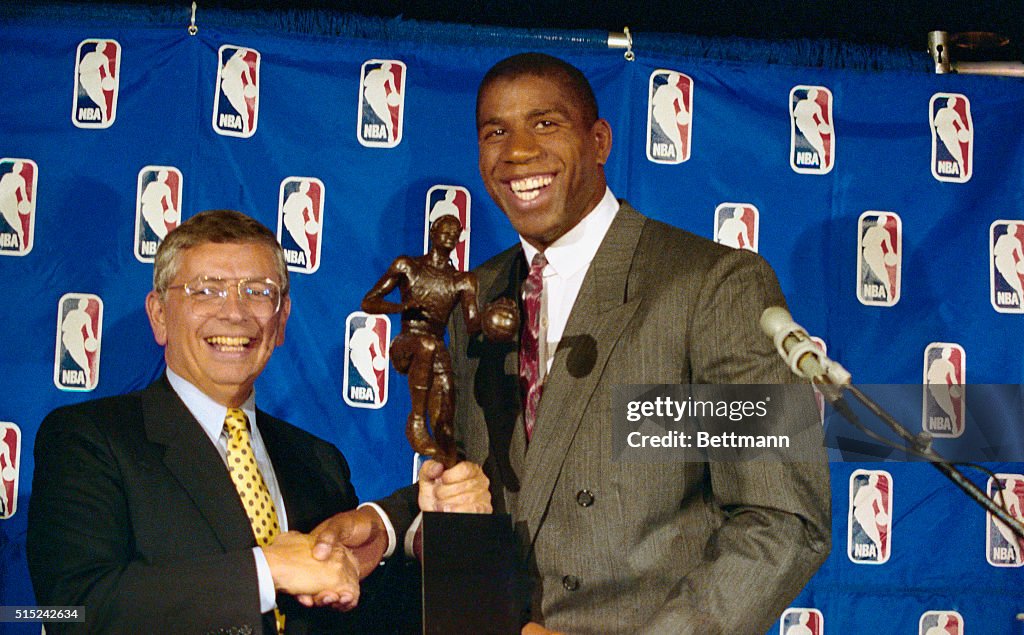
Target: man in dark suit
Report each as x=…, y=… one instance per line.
x=181, y=508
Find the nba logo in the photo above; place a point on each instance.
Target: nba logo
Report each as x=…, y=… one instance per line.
x=10, y=461
x=879, y=258
x=952, y=137
x=449, y=200
x=1003, y=548
x=944, y=402
x=381, y=103
x=869, y=535
x=669, y=117
x=236, y=102
x=1006, y=265
x=736, y=225
x=367, y=351
x=97, y=79
x=812, y=136
x=941, y=623
x=801, y=621
x=76, y=363
x=157, y=208
x=300, y=222
x=18, y=178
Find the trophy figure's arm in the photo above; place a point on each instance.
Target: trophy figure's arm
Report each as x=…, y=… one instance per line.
x=467, y=287
x=374, y=302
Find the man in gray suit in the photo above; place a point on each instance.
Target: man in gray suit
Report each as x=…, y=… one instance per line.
x=614, y=547
x=618, y=547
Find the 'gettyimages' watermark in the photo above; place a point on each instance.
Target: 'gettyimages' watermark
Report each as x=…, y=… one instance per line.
x=963, y=423
x=667, y=408
x=668, y=423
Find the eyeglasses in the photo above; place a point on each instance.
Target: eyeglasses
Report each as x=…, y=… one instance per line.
x=262, y=297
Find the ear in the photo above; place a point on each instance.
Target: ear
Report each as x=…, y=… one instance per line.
x=602, y=132
x=286, y=310
x=157, y=313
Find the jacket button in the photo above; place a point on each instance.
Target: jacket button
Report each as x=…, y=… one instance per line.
x=584, y=498
x=571, y=583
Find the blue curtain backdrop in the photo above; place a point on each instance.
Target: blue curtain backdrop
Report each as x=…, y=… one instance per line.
x=75, y=183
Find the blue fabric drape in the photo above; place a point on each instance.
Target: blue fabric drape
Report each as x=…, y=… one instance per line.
x=742, y=151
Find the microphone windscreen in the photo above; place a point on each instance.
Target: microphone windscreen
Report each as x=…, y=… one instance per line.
x=775, y=319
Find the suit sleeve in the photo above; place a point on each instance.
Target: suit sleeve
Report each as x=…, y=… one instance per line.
x=81, y=549
x=776, y=516
x=402, y=507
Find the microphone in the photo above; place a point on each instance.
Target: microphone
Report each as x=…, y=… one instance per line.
x=802, y=355
x=807, y=360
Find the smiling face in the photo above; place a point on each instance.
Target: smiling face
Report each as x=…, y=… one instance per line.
x=224, y=353
x=541, y=160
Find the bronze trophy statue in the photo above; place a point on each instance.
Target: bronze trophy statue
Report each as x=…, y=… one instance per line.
x=430, y=288
x=473, y=581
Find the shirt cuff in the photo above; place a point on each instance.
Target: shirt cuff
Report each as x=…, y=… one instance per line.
x=268, y=595
x=410, y=535
x=392, y=540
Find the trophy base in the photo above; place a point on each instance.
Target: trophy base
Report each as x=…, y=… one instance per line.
x=473, y=580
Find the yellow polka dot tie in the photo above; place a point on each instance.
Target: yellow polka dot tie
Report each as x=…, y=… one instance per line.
x=245, y=474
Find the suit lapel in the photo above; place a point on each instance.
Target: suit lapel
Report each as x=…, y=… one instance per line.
x=195, y=464
x=283, y=455
x=311, y=490
x=497, y=382
x=597, y=320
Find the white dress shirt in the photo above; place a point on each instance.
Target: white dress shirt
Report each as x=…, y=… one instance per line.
x=569, y=258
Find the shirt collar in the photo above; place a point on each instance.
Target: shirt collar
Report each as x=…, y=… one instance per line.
x=208, y=412
x=575, y=249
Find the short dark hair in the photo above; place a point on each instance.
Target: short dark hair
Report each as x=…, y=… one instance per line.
x=213, y=226
x=547, y=66
x=447, y=218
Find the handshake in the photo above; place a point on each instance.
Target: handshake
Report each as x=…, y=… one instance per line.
x=324, y=567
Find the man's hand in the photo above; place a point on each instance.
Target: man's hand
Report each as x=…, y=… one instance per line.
x=533, y=628
x=297, y=572
x=462, y=488
x=360, y=531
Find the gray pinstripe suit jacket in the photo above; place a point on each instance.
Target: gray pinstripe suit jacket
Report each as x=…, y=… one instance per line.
x=620, y=547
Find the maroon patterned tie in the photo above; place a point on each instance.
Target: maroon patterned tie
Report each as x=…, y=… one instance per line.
x=529, y=343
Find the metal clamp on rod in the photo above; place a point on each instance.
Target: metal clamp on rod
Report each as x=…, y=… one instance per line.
x=940, y=46
x=623, y=40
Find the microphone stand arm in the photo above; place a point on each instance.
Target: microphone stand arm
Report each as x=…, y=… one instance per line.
x=921, y=445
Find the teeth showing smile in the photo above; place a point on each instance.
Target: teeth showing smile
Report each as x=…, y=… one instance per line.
x=228, y=344
x=529, y=188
